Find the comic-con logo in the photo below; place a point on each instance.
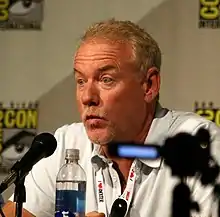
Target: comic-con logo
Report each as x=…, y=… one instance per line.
x=209, y=111
x=209, y=15
x=17, y=121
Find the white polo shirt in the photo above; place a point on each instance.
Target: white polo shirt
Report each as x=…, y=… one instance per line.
x=154, y=186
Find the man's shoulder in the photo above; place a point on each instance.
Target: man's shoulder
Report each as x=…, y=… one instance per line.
x=72, y=135
x=190, y=122
x=71, y=130
x=173, y=122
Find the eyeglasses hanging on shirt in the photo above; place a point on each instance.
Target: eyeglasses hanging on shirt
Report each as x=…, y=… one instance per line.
x=121, y=205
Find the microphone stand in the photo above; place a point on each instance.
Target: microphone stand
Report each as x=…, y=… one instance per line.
x=182, y=201
x=19, y=193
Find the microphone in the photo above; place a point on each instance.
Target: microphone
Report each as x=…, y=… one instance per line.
x=42, y=146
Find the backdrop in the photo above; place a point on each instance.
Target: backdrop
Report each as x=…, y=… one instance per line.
x=37, y=65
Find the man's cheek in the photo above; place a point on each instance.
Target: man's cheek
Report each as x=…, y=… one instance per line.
x=80, y=109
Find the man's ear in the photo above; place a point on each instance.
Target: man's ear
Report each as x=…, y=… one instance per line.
x=151, y=84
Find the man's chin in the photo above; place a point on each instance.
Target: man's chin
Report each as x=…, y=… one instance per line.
x=99, y=136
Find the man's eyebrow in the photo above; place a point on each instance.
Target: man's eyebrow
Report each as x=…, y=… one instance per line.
x=75, y=71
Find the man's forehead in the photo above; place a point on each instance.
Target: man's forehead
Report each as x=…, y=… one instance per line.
x=101, y=44
x=96, y=53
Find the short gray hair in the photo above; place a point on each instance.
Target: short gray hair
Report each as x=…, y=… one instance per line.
x=147, y=53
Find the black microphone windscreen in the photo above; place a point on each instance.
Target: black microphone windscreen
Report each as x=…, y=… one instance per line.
x=47, y=141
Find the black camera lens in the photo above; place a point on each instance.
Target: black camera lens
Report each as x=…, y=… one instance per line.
x=119, y=208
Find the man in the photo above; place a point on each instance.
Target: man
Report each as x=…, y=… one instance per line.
x=117, y=73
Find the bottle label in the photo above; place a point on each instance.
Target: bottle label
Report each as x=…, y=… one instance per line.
x=71, y=202
x=68, y=214
x=70, y=198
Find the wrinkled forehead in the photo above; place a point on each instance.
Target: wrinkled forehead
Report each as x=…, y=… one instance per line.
x=101, y=48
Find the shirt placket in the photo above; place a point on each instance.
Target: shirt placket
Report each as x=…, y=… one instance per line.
x=116, y=183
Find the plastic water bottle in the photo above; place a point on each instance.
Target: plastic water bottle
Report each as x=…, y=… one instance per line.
x=71, y=187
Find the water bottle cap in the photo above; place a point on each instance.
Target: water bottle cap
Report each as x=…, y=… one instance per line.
x=72, y=154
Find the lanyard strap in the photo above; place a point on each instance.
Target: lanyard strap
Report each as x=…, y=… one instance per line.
x=126, y=195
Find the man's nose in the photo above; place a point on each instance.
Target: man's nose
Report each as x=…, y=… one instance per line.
x=90, y=95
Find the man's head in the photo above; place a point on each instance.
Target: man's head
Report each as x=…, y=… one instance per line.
x=117, y=69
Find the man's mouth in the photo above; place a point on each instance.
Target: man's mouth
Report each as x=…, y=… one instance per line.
x=93, y=117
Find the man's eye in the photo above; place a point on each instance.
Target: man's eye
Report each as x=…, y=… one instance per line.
x=80, y=81
x=107, y=80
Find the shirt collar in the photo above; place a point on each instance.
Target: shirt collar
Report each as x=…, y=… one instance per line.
x=97, y=159
x=157, y=134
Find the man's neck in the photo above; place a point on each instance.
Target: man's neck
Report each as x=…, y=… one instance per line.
x=123, y=165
